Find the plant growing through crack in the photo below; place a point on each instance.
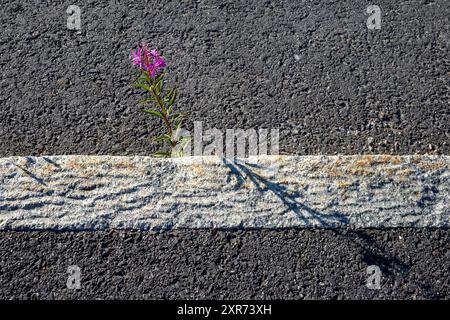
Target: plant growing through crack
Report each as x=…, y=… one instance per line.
x=151, y=65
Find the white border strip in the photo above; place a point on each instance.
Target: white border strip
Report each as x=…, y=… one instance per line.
x=104, y=192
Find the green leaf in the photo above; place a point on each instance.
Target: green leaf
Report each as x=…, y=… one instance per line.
x=167, y=97
x=160, y=77
x=158, y=86
x=177, y=154
x=177, y=116
x=151, y=100
x=146, y=76
x=142, y=86
x=140, y=78
x=156, y=113
x=185, y=139
x=161, y=154
x=158, y=82
x=183, y=142
x=177, y=119
x=172, y=98
x=178, y=124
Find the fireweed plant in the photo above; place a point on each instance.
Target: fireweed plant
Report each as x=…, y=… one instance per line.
x=151, y=65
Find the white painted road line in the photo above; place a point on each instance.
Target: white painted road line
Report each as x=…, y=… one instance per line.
x=103, y=192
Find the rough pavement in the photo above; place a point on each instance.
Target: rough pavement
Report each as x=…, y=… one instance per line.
x=209, y=264
x=310, y=68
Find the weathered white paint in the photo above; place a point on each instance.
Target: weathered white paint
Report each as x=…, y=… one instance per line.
x=102, y=192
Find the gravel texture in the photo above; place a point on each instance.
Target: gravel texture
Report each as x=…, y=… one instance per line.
x=211, y=264
x=310, y=68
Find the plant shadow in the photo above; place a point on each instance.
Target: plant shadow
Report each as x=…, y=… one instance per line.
x=291, y=199
x=373, y=249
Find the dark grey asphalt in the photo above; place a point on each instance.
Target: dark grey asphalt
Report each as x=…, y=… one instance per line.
x=351, y=91
x=289, y=264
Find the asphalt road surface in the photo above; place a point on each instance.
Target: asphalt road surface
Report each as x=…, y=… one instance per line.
x=211, y=264
x=310, y=68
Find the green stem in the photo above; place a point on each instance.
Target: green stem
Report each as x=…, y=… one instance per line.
x=166, y=119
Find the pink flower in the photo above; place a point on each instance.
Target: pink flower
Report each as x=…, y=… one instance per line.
x=154, y=53
x=136, y=57
x=148, y=60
